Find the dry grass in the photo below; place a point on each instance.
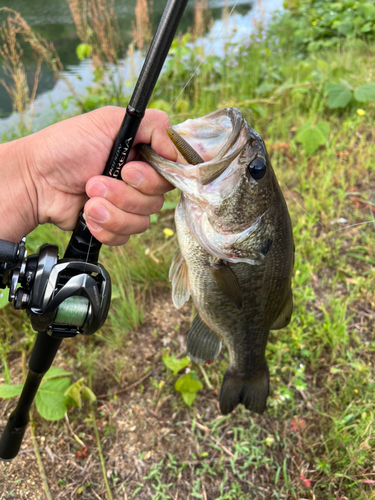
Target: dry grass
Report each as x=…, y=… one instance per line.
x=12, y=31
x=142, y=28
x=96, y=24
x=200, y=17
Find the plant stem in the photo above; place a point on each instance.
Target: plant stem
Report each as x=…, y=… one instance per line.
x=39, y=459
x=102, y=463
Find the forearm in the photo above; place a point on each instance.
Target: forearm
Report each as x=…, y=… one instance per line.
x=18, y=203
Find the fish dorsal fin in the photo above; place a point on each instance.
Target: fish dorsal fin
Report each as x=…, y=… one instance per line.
x=179, y=276
x=227, y=282
x=203, y=345
x=285, y=314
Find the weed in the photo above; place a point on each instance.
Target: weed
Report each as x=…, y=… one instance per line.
x=142, y=28
x=19, y=90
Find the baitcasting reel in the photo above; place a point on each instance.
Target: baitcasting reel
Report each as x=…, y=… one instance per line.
x=62, y=297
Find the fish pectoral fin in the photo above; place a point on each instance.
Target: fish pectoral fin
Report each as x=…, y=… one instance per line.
x=203, y=345
x=251, y=391
x=285, y=314
x=179, y=276
x=227, y=282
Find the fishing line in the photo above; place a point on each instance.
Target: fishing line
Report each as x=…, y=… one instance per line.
x=351, y=225
x=88, y=251
x=200, y=64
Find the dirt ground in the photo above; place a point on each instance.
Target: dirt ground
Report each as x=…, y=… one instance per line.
x=154, y=446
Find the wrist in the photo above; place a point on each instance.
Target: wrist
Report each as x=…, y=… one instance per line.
x=18, y=197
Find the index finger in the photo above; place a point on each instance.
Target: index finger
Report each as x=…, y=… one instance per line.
x=152, y=130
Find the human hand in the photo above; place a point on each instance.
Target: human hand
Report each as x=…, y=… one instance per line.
x=60, y=166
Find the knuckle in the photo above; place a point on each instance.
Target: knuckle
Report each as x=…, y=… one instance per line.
x=158, y=204
x=144, y=224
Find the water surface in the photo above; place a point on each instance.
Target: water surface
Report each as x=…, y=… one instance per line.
x=52, y=19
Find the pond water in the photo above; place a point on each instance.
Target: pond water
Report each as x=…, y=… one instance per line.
x=52, y=19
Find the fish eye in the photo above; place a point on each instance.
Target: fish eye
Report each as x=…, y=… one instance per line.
x=257, y=168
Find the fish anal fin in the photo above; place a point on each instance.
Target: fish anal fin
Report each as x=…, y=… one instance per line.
x=285, y=314
x=252, y=392
x=179, y=276
x=203, y=345
x=227, y=282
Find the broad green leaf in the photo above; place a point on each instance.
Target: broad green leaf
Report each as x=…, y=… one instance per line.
x=301, y=130
x=365, y=93
x=188, y=385
x=367, y=27
x=83, y=50
x=8, y=391
x=4, y=294
x=346, y=84
x=324, y=128
x=55, y=372
x=50, y=400
x=175, y=364
x=338, y=95
x=188, y=397
x=312, y=138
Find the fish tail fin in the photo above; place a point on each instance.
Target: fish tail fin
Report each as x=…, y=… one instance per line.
x=252, y=392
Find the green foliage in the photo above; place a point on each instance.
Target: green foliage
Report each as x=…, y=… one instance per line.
x=50, y=399
x=174, y=364
x=188, y=385
x=312, y=137
x=321, y=24
x=83, y=50
x=55, y=393
x=8, y=391
x=78, y=391
x=341, y=95
x=4, y=294
x=338, y=95
x=365, y=93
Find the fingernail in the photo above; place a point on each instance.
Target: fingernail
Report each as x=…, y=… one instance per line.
x=97, y=188
x=94, y=226
x=98, y=213
x=132, y=177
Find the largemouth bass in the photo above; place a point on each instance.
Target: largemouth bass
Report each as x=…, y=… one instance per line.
x=236, y=251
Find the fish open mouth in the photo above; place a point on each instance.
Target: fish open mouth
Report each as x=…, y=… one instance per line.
x=208, y=145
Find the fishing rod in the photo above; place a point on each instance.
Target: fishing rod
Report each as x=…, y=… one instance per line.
x=64, y=297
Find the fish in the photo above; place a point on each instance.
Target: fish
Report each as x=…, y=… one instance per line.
x=236, y=251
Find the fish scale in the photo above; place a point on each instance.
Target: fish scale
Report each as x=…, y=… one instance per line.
x=236, y=251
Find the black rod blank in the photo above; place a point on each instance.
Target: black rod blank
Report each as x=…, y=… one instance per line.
x=82, y=244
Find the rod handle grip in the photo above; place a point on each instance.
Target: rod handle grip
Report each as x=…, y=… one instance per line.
x=11, y=440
